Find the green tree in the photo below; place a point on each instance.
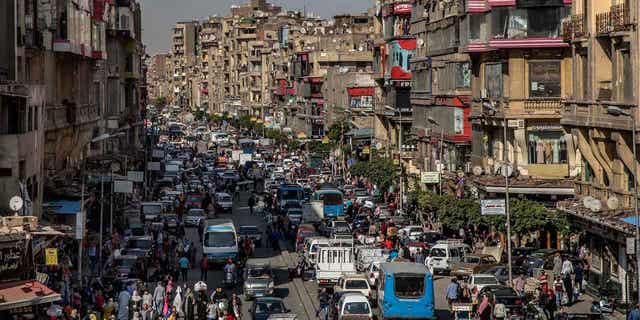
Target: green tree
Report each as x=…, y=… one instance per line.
x=381, y=171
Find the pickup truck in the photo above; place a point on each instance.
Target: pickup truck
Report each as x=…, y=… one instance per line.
x=332, y=264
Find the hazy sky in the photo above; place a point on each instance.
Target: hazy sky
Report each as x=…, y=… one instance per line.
x=159, y=16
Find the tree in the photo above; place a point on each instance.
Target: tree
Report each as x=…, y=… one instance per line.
x=380, y=171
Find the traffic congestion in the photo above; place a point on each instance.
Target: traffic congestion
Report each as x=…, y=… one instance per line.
x=236, y=225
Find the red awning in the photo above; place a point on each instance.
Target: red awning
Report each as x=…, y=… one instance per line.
x=25, y=293
x=360, y=91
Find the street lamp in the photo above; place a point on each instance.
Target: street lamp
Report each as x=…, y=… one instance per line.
x=617, y=111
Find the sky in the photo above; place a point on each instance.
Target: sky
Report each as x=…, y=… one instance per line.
x=159, y=16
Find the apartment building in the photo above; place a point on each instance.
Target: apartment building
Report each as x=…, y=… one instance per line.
x=520, y=74
x=599, y=115
x=159, y=77
x=393, y=48
x=184, y=53
x=55, y=92
x=441, y=90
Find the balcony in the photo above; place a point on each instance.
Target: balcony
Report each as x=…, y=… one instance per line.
x=573, y=28
x=543, y=106
x=63, y=116
x=594, y=114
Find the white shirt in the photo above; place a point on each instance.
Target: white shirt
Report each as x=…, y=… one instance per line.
x=567, y=267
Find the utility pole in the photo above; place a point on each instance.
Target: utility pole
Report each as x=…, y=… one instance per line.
x=505, y=167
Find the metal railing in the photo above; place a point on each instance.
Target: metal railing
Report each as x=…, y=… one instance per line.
x=603, y=23
x=620, y=17
x=543, y=105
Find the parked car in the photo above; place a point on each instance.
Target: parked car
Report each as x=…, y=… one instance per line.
x=482, y=280
x=472, y=264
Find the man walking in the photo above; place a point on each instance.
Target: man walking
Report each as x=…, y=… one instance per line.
x=184, y=268
x=251, y=203
x=452, y=292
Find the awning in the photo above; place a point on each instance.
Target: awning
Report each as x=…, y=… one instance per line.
x=630, y=220
x=62, y=207
x=25, y=293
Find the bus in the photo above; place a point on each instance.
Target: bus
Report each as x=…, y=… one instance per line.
x=332, y=202
x=219, y=240
x=405, y=286
x=247, y=146
x=289, y=195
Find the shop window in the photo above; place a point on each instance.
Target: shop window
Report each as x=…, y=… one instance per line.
x=544, y=79
x=547, y=147
x=493, y=80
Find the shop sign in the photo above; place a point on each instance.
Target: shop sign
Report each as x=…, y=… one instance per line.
x=153, y=166
x=122, y=186
x=493, y=207
x=13, y=251
x=135, y=176
x=51, y=256
x=430, y=177
x=402, y=8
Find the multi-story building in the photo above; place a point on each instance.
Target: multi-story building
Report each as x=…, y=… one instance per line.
x=599, y=115
x=520, y=74
x=393, y=48
x=441, y=90
x=184, y=53
x=158, y=82
x=70, y=74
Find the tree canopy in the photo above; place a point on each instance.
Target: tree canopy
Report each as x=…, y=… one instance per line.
x=380, y=171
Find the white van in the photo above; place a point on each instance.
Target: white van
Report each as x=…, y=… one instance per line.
x=219, y=240
x=312, y=246
x=446, y=252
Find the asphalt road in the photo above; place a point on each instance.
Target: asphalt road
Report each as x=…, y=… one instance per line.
x=300, y=297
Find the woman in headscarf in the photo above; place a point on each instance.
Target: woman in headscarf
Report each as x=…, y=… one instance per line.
x=484, y=310
x=109, y=309
x=177, y=301
x=135, y=302
x=189, y=304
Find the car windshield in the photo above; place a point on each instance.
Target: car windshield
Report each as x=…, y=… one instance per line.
x=356, y=308
x=195, y=213
x=340, y=224
x=139, y=244
x=269, y=307
x=291, y=194
x=485, y=280
x=438, y=252
x=258, y=272
x=409, y=286
x=219, y=239
x=125, y=262
x=356, y=284
x=249, y=230
x=331, y=198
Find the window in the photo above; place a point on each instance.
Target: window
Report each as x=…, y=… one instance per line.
x=356, y=284
x=463, y=75
x=546, y=147
x=219, y=239
x=533, y=22
x=478, y=27
x=627, y=76
x=409, y=286
x=493, y=79
x=356, y=308
x=584, y=70
x=458, y=125
x=544, y=79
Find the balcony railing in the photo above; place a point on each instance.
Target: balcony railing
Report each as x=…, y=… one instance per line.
x=63, y=116
x=573, y=27
x=620, y=17
x=603, y=23
x=543, y=106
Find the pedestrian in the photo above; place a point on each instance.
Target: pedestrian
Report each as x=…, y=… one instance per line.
x=635, y=313
x=158, y=297
x=123, y=305
x=484, y=310
x=419, y=256
x=452, y=292
x=147, y=298
x=558, y=288
x=557, y=265
x=579, y=276
x=519, y=283
x=204, y=268
x=251, y=203
x=543, y=279
x=427, y=262
x=184, y=268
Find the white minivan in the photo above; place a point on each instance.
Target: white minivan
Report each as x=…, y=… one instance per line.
x=312, y=246
x=446, y=252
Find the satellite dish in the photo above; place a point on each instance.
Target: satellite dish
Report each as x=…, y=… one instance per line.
x=477, y=170
x=592, y=203
x=613, y=203
x=303, y=30
x=420, y=42
x=16, y=203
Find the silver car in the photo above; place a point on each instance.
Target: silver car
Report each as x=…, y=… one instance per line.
x=258, y=280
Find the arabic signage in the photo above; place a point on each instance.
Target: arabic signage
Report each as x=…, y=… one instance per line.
x=493, y=207
x=123, y=186
x=157, y=153
x=51, y=256
x=402, y=8
x=13, y=257
x=80, y=225
x=429, y=177
x=153, y=166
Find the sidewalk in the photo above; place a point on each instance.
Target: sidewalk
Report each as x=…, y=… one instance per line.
x=583, y=305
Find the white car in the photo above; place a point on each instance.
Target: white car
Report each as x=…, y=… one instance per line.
x=354, y=306
x=223, y=202
x=355, y=283
x=193, y=217
x=414, y=232
x=482, y=280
